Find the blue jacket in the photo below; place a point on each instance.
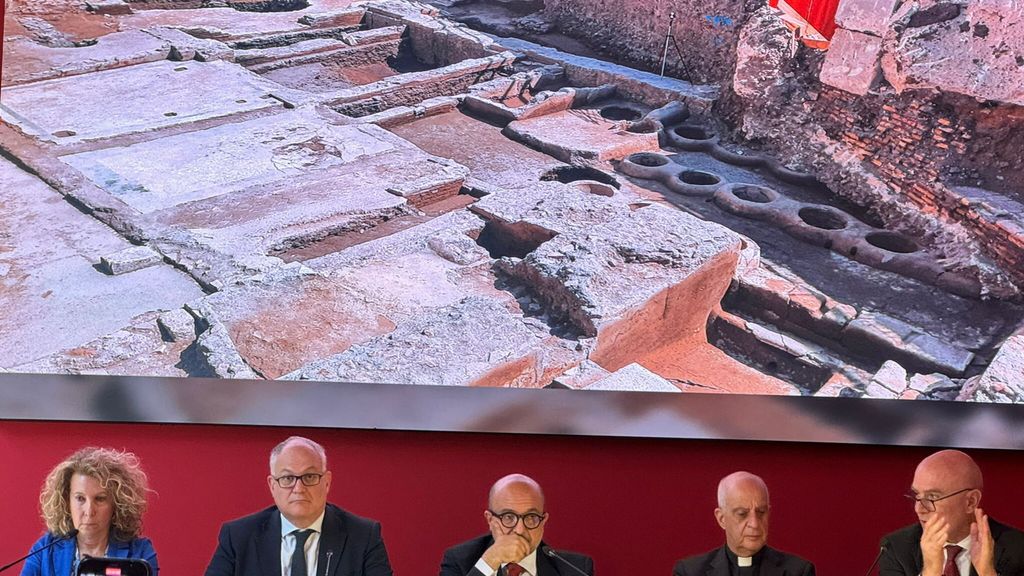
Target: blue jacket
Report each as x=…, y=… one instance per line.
x=59, y=559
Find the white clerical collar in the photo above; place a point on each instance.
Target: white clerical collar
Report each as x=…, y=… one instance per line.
x=287, y=527
x=529, y=563
x=744, y=561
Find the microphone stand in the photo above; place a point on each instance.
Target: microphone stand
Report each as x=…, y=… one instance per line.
x=68, y=536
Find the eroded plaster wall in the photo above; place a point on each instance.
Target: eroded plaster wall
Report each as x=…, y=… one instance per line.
x=634, y=32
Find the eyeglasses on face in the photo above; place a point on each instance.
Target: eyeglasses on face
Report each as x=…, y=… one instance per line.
x=289, y=480
x=928, y=502
x=509, y=519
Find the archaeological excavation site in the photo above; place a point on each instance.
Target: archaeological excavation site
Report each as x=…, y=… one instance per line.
x=636, y=195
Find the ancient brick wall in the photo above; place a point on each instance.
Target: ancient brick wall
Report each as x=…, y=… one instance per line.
x=634, y=31
x=923, y=147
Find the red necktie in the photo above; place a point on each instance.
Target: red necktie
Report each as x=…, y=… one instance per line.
x=514, y=569
x=952, y=551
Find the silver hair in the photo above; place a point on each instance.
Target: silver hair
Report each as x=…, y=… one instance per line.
x=298, y=440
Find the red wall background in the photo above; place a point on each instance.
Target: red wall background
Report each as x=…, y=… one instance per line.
x=635, y=505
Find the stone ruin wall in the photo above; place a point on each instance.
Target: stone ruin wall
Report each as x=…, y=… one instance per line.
x=916, y=150
x=634, y=32
x=923, y=146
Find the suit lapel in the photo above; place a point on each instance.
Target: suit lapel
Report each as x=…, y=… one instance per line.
x=719, y=565
x=332, y=543
x=771, y=563
x=268, y=545
x=546, y=566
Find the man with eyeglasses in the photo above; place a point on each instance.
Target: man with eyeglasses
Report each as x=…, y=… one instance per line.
x=301, y=535
x=514, y=547
x=953, y=536
x=743, y=512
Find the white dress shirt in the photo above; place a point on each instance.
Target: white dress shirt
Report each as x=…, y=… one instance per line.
x=288, y=544
x=529, y=564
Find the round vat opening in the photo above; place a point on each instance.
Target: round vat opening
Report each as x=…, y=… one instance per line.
x=693, y=133
x=892, y=242
x=698, y=178
x=570, y=174
x=822, y=218
x=648, y=159
x=619, y=113
x=751, y=193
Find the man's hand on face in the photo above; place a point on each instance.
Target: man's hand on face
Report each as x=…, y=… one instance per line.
x=983, y=547
x=933, y=541
x=506, y=548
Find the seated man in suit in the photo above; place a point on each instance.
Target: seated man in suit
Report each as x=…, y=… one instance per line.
x=516, y=518
x=301, y=535
x=952, y=533
x=743, y=514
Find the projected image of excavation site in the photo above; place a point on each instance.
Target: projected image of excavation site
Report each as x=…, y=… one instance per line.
x=374, y=192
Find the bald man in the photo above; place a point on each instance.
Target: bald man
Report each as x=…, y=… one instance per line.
x=953, y=536
x=514, y=546
x=743, y=514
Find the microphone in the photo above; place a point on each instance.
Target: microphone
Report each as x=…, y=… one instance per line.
x=881, y=550
x=68, y=536
x=549, y=552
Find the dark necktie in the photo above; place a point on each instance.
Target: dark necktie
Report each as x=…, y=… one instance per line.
x=952, y=551
x=514, y=569
x=299, y=555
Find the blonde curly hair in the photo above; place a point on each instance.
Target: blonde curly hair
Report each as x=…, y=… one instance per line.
x=117, y=472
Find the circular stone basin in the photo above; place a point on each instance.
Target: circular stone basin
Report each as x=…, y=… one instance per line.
x=822, y=218
x=698, y=178
x=892, y=242
x=693, y=133
x=753, y=193
x=648, y=159
x=619, y=113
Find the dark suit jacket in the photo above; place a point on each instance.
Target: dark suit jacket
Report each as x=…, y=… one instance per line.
x=902, y=554
x=459, y=560
x=716, y=563
x=251, y=546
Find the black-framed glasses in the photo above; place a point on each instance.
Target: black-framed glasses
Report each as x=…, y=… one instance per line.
x=509, y=519
x=928, y=502
x=289, y=480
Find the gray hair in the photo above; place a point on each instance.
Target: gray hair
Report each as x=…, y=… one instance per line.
x=298, y=440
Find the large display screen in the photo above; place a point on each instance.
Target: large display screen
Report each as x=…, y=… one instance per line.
x=314, y=212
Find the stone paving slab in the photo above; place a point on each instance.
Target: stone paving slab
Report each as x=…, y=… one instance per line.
x=166, y=172
x=28, y=61
x=52, y=296
x=79, y=108
x=580, y=135
x=228, y=23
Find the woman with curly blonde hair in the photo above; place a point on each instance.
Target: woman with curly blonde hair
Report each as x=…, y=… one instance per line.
x=92, y=504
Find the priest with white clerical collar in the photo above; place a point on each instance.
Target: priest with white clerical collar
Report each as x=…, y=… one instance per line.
x=743, y=512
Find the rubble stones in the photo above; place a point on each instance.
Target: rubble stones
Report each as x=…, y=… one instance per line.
x=633, y=378
x=972, y=54
x=130, y=259
x=1003, y=380
x=852, y=61
x=890, y=376
x=177, y=325
x=867, y=16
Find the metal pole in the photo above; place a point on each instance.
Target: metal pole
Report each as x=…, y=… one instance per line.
x=668, y=38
